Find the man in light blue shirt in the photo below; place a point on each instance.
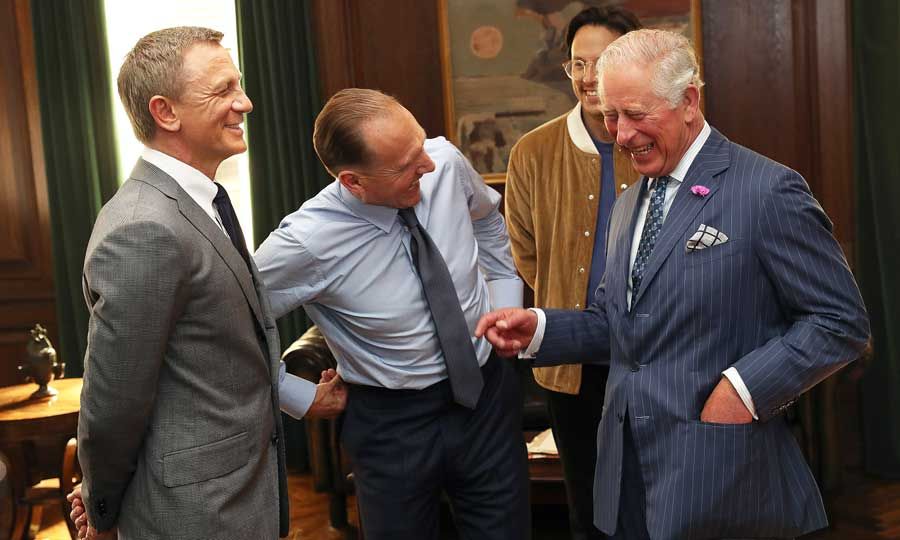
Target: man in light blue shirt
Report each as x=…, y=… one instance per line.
x=348, y=258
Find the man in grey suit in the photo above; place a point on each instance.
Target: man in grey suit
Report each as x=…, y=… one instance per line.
x=725, y=297
x=180, y=432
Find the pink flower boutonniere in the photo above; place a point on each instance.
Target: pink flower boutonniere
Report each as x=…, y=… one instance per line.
x=700, y=191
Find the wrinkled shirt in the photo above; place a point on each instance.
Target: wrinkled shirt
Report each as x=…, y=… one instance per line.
x=349, y=264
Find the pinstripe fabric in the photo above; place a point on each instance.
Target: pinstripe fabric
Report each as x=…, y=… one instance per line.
x=777, y=301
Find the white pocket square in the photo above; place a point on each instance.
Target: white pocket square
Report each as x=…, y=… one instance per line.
x=705, y=237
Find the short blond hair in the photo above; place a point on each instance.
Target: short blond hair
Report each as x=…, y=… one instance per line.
x=153, y=67
x=338, y=134
x=669, y=54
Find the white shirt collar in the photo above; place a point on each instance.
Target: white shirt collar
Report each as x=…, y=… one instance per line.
x=195, y=183
x=680, y=170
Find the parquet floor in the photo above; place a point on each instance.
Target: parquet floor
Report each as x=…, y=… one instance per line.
x=866, y=510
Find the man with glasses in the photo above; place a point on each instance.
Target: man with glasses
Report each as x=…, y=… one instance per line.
x=562, y=181
x=395, y=262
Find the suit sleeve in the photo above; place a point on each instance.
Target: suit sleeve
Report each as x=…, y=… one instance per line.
x=816, y=290
x=576, y=337
x=133, y=280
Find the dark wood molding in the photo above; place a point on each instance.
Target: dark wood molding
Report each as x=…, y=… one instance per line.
x=332, y=27
x=26, y=282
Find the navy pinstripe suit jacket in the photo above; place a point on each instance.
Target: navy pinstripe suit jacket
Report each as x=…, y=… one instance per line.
x=777, y=301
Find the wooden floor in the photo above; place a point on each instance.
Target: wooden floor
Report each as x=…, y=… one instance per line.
x=867, y=510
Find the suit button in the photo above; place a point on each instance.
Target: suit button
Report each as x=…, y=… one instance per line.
x=101, y=507
x=635, y=367
x=275, y=439
x=621, y=417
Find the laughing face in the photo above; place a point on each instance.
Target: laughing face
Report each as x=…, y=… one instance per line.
x=211, y=108
x=588, y=44
x=655, y=134
x=392, y=179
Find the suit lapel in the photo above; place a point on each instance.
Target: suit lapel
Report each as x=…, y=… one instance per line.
x=710, y=161
x=152, y=175
x=631, y=202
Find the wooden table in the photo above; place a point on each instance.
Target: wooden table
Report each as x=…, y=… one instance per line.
x=34, y=445
x=546, y=477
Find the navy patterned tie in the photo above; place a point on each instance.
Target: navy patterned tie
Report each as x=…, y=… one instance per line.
x=453, y=333
x=652, y=226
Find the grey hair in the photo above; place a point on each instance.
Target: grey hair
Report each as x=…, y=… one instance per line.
x=670, y=55
x=153, y=67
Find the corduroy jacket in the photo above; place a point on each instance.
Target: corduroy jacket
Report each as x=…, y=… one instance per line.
x=552, y=200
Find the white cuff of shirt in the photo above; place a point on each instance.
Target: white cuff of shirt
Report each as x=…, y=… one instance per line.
x=535, y=344
x=294, y=393
x=505, y=293
x=738, y=383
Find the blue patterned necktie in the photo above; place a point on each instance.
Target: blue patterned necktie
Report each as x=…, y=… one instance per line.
x=453, y=332
x=652, y=226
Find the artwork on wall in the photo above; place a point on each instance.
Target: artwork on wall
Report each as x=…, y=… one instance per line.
x=502, y=67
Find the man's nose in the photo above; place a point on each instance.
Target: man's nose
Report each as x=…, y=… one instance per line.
x=624, y=132
x=242, y=104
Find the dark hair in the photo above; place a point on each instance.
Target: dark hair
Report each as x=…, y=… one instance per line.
x=613, y=17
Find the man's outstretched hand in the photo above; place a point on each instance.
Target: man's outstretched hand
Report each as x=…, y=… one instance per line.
x=509, y=330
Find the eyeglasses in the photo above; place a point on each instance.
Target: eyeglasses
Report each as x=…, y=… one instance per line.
x=575, y=69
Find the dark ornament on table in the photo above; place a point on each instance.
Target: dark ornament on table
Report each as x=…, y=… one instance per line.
x=40, y=365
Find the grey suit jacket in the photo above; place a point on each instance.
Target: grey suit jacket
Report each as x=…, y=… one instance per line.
x=180, y=432
x=777, y=301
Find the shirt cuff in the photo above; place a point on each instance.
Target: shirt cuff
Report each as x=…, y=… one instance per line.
x=505, y=293
x=294, y=393
x=535, y=344
x=738, y=383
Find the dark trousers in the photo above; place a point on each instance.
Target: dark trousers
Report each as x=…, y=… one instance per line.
x=574, y=419
x=632, y=520
x=410, y=446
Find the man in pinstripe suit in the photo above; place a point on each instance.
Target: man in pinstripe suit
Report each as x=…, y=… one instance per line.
x=725, y=297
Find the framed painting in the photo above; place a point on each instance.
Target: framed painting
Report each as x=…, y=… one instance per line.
x=501, y=62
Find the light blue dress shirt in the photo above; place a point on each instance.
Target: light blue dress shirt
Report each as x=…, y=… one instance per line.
x=349, y=264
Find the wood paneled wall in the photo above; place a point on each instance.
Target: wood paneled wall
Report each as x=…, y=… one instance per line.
x=26, y=285
x=777, y=71
x=779, y=81
x=389, y=45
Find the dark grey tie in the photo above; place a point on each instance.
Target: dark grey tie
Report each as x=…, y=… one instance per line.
x=453, y=332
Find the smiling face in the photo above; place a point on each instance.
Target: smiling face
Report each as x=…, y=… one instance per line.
x=211, y=108
x=588, y=44
x=655, y=134
x=396, y=140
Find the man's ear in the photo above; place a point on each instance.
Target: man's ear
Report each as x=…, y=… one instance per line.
x=163, y=112
x=691, y=101
x=351, y=181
